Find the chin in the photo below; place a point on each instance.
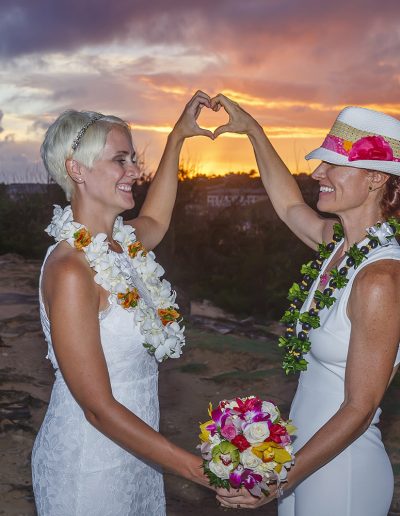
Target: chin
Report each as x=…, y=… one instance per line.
x=126, y=206
x=326, y=207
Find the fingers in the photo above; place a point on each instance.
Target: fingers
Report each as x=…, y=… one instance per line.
x=205, y=132
x=242, y=502
x=227, y=493
x=222, y=129
x=200, y=95
x=220, y=100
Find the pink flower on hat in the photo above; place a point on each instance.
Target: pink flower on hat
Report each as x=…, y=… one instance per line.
x=371, y=148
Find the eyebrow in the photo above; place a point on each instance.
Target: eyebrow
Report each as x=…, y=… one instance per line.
x=125, y=153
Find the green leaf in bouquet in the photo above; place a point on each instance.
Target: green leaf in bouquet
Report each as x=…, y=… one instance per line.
x=214, y=480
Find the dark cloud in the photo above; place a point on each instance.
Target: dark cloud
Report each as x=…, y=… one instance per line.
x=252, y=28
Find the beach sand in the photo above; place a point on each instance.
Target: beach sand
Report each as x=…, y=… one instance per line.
x=219, y=363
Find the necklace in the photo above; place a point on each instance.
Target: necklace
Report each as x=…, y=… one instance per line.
x=132, y=277
x=297, y=344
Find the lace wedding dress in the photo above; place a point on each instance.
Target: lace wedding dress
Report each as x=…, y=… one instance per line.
x=77, y=470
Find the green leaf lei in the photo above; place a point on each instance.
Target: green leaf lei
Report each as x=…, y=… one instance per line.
x=296, y=345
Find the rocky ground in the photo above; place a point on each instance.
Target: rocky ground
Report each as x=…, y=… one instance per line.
x=222, y=358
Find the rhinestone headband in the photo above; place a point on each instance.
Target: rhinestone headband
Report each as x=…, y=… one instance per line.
x=79, y=136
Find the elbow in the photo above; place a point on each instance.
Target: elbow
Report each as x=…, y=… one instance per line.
x=97, y=414
x=362, y=414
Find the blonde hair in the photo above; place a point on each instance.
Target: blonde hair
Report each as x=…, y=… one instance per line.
x=57, y=145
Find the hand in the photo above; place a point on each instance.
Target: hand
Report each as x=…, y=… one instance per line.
x=239, y=120
x=187, y=125
x=242, y=499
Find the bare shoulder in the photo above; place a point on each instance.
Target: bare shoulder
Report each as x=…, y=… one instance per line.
x=66, y=268
x=380, y=273
x=377, y=286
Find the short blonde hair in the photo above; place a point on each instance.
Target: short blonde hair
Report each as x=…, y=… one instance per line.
x=57, y=145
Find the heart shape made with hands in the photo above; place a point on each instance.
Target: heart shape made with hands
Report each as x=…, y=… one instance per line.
x=216, y=103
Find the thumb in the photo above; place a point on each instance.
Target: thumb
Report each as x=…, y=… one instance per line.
x=221, y=129
x=206, y=132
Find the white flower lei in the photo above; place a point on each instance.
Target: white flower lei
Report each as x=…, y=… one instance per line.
x=121, y=274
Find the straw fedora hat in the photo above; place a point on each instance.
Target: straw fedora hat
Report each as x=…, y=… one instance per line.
x=362, y=138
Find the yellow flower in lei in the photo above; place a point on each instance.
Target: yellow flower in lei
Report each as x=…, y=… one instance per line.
x=129, y=299
x=124, y=275
x=271, y=451
x=134, y=248
x=168, y=315
x=82, y=238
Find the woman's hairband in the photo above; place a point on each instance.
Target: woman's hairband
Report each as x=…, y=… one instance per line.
x=79, y=136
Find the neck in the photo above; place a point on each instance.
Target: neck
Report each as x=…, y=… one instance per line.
x=356, y=221
x=94, y=217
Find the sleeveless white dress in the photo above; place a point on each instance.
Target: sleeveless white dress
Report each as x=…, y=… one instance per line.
x=77, y=470
x=359, y=481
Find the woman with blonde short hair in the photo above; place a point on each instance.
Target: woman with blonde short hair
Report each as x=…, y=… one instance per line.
x=108, y=319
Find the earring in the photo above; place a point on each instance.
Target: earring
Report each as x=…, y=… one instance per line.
x=370, y=188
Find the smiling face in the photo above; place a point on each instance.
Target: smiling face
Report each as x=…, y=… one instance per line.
x=342, y=189
x=110, y=179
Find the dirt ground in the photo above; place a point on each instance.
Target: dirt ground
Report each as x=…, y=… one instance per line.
x=214, y=366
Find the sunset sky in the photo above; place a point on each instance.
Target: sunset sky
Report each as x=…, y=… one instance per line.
x=292, y=64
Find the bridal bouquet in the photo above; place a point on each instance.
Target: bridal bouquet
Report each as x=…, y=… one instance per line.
x=246, y=443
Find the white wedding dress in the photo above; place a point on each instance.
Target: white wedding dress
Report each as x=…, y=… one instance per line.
x=77, y=470
x=359, y=481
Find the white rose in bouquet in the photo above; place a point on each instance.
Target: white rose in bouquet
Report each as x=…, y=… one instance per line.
x=256, y=432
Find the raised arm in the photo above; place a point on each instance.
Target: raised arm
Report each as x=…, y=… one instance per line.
x=73, y=305
x=155, y=215
x=373, y=311
x=279, y=183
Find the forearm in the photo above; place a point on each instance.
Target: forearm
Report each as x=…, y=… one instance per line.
x=161, y=196
x=131, y=433
x=336, y=435
x=279, y=183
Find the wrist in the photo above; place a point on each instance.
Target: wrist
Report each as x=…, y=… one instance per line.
x=196, y=472
x=255, y=130
x=176, y=137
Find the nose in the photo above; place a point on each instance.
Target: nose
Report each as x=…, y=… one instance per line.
x=320, y=172
x=133, y=171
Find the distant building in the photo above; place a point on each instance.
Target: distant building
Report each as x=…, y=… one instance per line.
x=219, y=197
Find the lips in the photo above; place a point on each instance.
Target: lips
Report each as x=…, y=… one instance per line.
x=326, y=189
x=124, y=187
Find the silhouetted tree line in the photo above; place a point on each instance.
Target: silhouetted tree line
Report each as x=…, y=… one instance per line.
x=236, y=256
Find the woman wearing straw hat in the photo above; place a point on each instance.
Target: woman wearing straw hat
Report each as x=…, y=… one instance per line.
x=342, y=324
